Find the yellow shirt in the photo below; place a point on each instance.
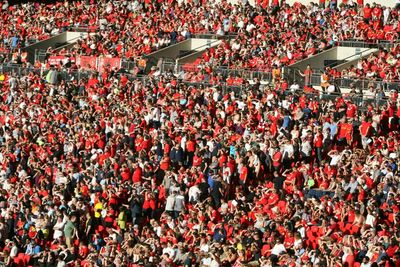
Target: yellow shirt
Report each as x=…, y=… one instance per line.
x=97, y=210
x=122, y=220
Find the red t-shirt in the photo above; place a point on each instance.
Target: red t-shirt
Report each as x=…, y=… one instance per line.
x=277, y=159
x=243, y=174
x=365, y=128
x=318, y=141
x=346, y=131
x=137, y=175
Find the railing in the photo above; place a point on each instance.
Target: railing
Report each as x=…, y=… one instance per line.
x=367, y=44
x=83, y=28
x=224, y=88
x=365, y=84
x=16, y=69
x=358, y=55
x=360, y=84
x=198, y=48
x=214, y=36
x=362, y=101
x=41, y=56
x=343, y=82
x=246, y=74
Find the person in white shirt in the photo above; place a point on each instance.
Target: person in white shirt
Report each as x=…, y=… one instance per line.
x=335, y=157
x=14, y=250
x=276, y=251
x=179, y=204
x=170, y=203
x=386, y=14
x=365, y=262
x=206, y=261
x=194, y=194
x=169, y=250
x=226, y=174
x=306, y=148
x=370, y=220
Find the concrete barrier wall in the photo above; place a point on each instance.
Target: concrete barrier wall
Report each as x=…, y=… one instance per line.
x=202, y=44
x=335, y=53
x=354, y=60
x=192, y=57
x=72, y=37
x=193, y=44
x=389, y=3
x=317, y=61
x=347, y=52
x=171, y=51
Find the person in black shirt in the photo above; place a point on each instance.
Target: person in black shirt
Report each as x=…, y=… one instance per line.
x=217, y=191
x=278, y=181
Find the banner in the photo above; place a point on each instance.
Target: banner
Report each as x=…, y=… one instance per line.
x=56, y=60
x=87, y=62
x=108, y=63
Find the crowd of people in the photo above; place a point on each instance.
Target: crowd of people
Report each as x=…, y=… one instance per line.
x=204, y=169
x=383, y=65
x=26, y=23
x=122, y=29
x=110, y=171
x=296, y=32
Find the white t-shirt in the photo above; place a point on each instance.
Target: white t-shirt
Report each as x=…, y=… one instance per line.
x=13, y=252
x=214, y=263
x=370, y=220
x=334, y=160
x=204, y=248
x=206, y=261
x=170, y=251
x=194, y=193
x=169, y=205
x=278, y=249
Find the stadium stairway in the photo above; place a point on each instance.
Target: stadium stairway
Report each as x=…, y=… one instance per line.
x=59, y=41
x=335, y=56
x=341, y=57
x=183, y=52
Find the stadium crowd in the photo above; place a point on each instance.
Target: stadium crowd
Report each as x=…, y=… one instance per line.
x=297, y=32
x=121, y=29
x=383, y=65
x=207, y=170
x=110, y=171
x=27, y=23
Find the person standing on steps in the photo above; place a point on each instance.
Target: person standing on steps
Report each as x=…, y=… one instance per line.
x=307, y=75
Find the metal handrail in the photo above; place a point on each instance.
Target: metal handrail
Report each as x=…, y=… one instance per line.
x=333, y=65
x=360, y=99
x=366, y=44
x=194, y=50
x=82, y=28
x=362, y=84
x=73, y=39
x=211, y=35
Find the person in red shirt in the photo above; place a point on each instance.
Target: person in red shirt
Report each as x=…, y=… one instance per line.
x=345, y=132
x=277, y=160
x=243, y=175
x=137, y=173
x=318, y=144
x=351, y=111
x=365, y=132
x=190, y=149
x=367, y=12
